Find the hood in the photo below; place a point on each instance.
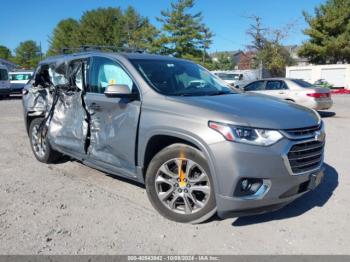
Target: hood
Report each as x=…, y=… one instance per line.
x=251, y=110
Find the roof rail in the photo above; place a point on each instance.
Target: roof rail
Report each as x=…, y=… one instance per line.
x=87, y=48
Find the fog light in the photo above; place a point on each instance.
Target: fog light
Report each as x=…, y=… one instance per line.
x=248, y=186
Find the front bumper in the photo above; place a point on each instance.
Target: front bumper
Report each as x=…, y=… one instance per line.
x=234, y=161
x=320, y=104
x=4, y=91
x=16, y=88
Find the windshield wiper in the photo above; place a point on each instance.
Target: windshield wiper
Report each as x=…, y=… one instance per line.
x=219, y=93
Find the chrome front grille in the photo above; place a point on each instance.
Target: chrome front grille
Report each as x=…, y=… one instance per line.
x=300, y=132
x=306, y=156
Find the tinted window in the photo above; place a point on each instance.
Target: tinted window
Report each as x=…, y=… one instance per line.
x=20, y=77
x=302, y=83
x=104, y=72
x=275, y=85
x=180, y=78
x=3, y=74
x=255, y=86
x=225, y=76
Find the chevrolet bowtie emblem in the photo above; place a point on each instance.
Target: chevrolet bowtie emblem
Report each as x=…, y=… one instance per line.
x=319, y=136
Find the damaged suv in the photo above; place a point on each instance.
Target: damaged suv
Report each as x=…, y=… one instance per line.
x=198, y=147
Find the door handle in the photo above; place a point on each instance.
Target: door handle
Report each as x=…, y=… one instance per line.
x=281, y=93
x=95, y=107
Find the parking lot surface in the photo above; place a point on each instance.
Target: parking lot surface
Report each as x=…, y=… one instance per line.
x=68, y=208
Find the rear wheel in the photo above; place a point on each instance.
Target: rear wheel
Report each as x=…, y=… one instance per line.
x=179, y=184
x=40, y=144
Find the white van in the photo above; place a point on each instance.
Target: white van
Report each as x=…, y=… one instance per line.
x=18, y=80
x=4, y=82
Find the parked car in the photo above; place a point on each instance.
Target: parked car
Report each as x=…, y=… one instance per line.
x=18, y=80
x=199, y=147
x=237, y=78
x=322, y=83
x=293, y=90
x=229, y=78
x=4, y=82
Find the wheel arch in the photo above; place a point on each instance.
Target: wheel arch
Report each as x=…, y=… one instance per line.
x=30, y=117
x=153, y=146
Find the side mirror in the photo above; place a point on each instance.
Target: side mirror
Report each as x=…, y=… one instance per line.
x=119, y=91
x=241, y=89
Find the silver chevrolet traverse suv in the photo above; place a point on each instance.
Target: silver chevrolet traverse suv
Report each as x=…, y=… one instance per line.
x=198, y=147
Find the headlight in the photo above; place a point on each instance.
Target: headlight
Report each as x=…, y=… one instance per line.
x=247, y=135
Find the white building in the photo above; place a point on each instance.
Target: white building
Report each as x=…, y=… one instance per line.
x=337, y=75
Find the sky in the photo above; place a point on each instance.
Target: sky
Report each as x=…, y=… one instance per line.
x=22, y=20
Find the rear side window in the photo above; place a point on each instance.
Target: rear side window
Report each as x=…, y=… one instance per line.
x=58, y=74
x=276, y=85
x=3, y=75
x=302, y=83
x=255, y=86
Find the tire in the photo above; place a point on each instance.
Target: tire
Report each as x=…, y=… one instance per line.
x=185, y=202
x=43, y=152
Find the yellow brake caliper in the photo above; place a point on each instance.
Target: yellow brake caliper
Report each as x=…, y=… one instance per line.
x=182, y=175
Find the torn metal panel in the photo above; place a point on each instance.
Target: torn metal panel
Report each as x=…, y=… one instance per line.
x=39, y=100
x=68, y=125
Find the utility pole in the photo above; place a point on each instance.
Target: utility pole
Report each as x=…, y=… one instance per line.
x=41, y=53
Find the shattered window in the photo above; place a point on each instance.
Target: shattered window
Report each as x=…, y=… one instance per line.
x=106, y=72
x=58, y=74
x=79, y=79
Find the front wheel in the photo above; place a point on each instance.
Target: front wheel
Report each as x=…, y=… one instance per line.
x=179, y=184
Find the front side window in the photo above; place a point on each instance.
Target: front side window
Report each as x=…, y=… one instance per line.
x=255, y=86
x=179, y=78
x=104, y=72
x=3, y=75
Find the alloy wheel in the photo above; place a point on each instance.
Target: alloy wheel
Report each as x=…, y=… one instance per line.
x=182, y=186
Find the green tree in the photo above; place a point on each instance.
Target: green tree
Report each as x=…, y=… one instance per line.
x=205, y=42
x=65, y=35
x=139, y=32
x=223, y=62
x=274, y=58
x=5, y=53
x=184, y=34
x=268, y=49
x=329, y=33
x=27, y=54
x=103, y=26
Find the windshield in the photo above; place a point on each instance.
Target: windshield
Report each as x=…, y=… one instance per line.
x=20, y=77
x=225, y=76
x=302, y=83
x=180, y=78
x=3, y=75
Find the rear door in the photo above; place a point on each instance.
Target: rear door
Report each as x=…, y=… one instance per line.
x=113, y=121
x=68, y=128
x=277, y=88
